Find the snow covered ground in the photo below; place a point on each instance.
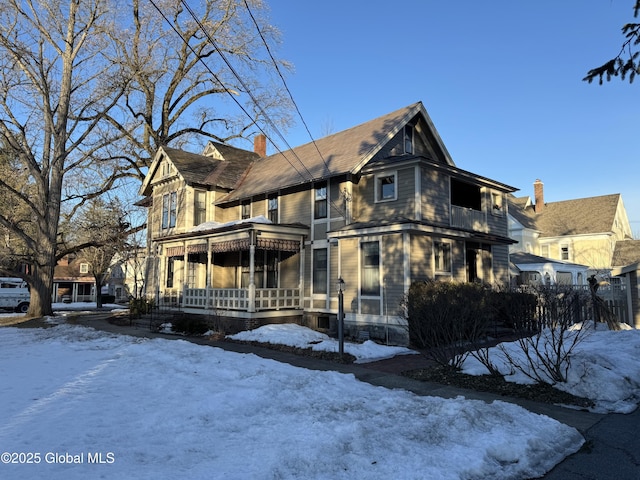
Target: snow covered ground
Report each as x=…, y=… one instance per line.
x=605, y=367
x=79, y=403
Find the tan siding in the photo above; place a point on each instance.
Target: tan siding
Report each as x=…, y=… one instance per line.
x=367, y=209
x=458, y=261
x=370, y=307
x=500, y=264
x=392, y=271
x=289, y=271
x=307, y=270
x=435, y=197
x=349, y=256
x=421, y=254
x=295, y=207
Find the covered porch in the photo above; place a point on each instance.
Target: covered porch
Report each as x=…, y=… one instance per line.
x=243, y=270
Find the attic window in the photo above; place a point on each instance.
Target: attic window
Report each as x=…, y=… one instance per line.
x=408, y=139
x=84, y=268
x=167, y=168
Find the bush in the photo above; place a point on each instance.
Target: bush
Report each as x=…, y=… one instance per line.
x=108, y=298
x=190, y=325
x=445, y=317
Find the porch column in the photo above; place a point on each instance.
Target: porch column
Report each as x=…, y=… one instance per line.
x=252, y=269
x=74, y=292
x=208, y=272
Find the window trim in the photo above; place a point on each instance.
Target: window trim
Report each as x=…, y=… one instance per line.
x=84, y=267
x=314, y=275
x=568, y=247
x=199, y=208
x=169, y=210
x=379, y=189
x=320, y=201
x=369, y=293
x=245, y=204
x=446, y=259
x=271, y=211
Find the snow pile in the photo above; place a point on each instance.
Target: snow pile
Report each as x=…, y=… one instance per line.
x=171, y=409
x=206, y=226
x=604, y=366
x=294, y=335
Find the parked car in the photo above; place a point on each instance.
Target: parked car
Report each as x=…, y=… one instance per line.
x=14, y=294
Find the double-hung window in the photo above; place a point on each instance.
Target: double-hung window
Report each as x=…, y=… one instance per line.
x=442, y=256
x=200, y=208
x=386, y=187
x=320, y=201
x=272, y=208
x=320, y=271
x=370, y=268
x=169, y=210
x=245, y=210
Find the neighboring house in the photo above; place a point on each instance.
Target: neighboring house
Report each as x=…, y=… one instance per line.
x=583, y=231
x=260, y=239
x=73, y=281
x=626, y=265
x=535, y=270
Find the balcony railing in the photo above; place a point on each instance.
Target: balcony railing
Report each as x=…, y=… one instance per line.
x=469, y=219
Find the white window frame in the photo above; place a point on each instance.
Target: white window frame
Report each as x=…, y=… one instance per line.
x=378, y=186
x=362, y=267
x=497, y=204
x=435, y=257
x=169, y=210
x=313, y=272
x=84, y=268
x=568, y=247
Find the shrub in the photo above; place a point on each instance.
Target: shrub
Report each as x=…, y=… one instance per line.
x=445, y=317
x=190, y=325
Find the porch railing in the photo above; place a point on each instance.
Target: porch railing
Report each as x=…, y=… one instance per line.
x=238, y=298
x=468, y=218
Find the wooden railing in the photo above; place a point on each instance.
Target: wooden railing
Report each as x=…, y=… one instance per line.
x=468, y=218
x=238, y=298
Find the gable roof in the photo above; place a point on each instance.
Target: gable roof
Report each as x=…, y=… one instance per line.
x=569, y=217
x=626, y=253
x=202, y=169
x=341, y=153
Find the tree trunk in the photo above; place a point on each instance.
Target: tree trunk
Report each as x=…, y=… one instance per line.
x=41, y=291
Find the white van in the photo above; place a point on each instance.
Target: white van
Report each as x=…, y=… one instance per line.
x=14, y=294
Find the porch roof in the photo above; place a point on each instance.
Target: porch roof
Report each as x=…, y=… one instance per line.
x=400, y=224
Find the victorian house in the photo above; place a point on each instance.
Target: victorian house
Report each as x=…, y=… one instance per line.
x=258, y=239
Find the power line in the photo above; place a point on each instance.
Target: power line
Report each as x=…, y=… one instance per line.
x=245, y=87
x=220, y=81
x=267, y=118
x=275, y=64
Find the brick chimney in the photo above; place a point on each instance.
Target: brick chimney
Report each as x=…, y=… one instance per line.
x=538, y=193
x=260, y=145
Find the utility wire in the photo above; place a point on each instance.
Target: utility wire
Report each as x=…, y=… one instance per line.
x=245, y=87
x=273, y=60
x=222, y=83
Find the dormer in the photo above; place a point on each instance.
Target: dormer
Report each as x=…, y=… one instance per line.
x=211, y=151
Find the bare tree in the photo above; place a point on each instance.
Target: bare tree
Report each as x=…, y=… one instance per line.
x=56, y=87
x=182, y=90
x=90, y=89
x=103, y=227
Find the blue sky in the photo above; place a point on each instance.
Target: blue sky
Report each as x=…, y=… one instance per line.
x=502, y=81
